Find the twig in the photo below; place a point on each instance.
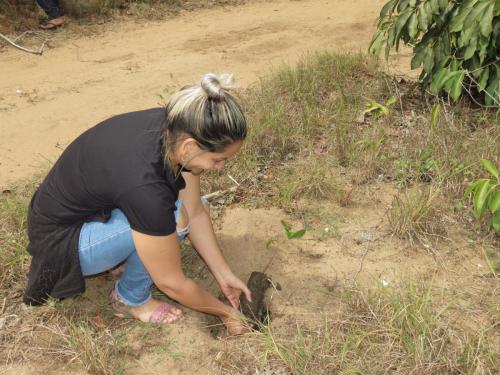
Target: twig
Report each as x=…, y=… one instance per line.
x=232, y=179
x=484, y=66
x=489, y=263
x=219, y=193
x=486, y=92
x=13, y=43
x=268, y=263
x=361, y=264
x=3, y=306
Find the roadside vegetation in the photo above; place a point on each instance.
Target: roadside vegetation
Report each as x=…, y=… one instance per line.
x=454, y=41
x=22, y=15
x=321, y=132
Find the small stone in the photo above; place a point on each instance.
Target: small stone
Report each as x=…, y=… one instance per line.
x=360, y=119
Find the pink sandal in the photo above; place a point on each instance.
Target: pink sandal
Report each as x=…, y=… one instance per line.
x=123, y=311
x=52, y=24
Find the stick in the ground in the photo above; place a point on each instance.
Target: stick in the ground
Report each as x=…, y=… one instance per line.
x=39, y=51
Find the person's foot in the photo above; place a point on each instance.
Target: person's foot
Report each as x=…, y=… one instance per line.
x=156, y=311
x=53, y=23
x=153, y=311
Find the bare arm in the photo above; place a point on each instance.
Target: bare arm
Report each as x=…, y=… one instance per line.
x=203, y=239
x=161, y=257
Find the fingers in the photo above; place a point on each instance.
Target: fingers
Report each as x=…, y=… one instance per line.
x=234, y=303
x=247, y=292
x=243, y=288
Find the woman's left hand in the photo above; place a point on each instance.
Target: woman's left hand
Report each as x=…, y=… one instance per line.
x=232, y=287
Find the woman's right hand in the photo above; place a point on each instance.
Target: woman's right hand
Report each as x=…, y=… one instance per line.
x=235, y=323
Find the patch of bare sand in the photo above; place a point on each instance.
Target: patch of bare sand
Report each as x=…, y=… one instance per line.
x=46, y=101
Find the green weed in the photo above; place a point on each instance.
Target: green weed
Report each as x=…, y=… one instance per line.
x=486, y=195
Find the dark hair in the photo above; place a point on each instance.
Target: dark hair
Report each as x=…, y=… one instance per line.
x=207, y=112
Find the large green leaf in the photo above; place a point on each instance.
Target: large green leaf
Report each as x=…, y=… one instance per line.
x=445, y=44
x=401, y=21
x=494, y=204
x=484, y=44
x=438, y=80
x=445, y=79
x=423, y=19
x=456, y=86
x=469, y=51
x=448, y=82
x=443, y=4
x=481, y=197
x=483, y=79
x=376, y=43
x=390, y=36
x=475, y=13
x=492, y=92
x=495, y=221
x=417, y=58
x=466, y=35
x=402, y=5
x=429, y=60
x=436, y=110
x=457, y=23
x=486, y=22
x=473, y=187
x=413, y=26
x=388, y=8
x=434, y=6
x=490, y=167
x=428, y=11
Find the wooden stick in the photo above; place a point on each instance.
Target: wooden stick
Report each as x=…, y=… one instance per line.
x=13, y=43
x=219, y=193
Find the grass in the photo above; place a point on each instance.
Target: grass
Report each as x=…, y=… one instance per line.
x=402, y=329
x=306, y=144
x=413, y=216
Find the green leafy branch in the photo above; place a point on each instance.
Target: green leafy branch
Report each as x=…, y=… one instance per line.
x=486, y=195
x=456, y=43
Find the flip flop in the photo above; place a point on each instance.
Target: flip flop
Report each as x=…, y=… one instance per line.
x=123, y=311
x=52, y=24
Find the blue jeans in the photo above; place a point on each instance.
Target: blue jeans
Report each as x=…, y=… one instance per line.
x=51, y=8
x=103, y=246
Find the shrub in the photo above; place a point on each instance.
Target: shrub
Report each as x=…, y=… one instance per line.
x=455, y=41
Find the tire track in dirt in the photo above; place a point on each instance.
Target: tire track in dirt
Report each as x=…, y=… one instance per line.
x=46, y=101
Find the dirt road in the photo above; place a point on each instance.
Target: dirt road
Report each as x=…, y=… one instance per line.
x=46, y=101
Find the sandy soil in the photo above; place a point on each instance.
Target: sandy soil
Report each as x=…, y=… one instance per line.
x=309, y=272
x=46, y=101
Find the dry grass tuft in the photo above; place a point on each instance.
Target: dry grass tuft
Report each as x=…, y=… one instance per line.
x=413, y=215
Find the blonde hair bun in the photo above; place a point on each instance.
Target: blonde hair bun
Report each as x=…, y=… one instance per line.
x=215, y=86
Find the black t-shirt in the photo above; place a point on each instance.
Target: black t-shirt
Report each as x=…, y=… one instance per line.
x=119, y=163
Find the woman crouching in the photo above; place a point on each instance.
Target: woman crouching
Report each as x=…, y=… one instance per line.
x=128, y=190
